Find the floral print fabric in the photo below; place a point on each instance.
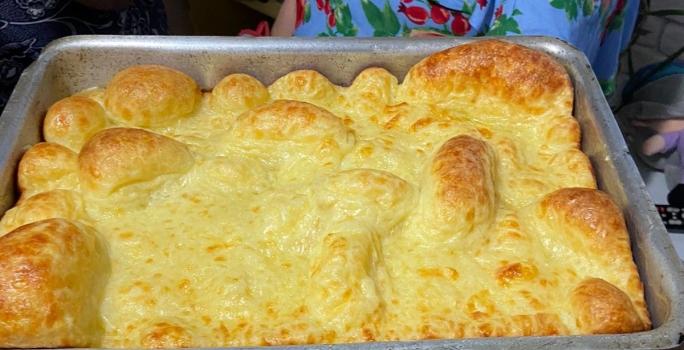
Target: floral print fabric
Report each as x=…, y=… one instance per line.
x=600, y=28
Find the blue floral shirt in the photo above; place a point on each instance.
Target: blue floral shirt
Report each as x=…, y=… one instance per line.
x=600, y=28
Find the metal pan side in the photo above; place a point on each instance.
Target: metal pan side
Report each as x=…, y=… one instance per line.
x=75, y=63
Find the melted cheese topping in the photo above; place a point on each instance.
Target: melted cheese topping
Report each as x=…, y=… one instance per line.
x=330, y=231
x=244, y=249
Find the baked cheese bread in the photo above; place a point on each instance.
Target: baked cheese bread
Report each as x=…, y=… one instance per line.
x=454, y=204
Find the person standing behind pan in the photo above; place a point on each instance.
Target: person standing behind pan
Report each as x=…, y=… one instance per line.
x=600, y=28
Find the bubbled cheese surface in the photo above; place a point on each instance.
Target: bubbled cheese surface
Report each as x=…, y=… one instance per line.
x=305, y=212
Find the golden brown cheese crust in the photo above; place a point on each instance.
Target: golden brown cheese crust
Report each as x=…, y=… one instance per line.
x=52, y=275
x=308, y=86
x=456, y=204
x=372, y=90
x=47, y=166
x=150, y=95
x=45, y=205
x=521, y=78
x=237, y=93
x=72, y=121
x=595, y=226
x=592, y=213
x=119, y=156
x=463, y=170
x=284, y=120
x=602, y=308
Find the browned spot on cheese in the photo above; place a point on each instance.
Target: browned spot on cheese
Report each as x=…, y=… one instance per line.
x=367, y=334
x=142, y=285
x=514, y=235
x=392, y=123
x=515, y=272
x=543, y=282
x=184, y=284
x=366, y=151
x=484, y=132
x=126, y=235
x=223, y=331
x=480, y=305
x=532, y=300
x=206, y=319
x=192, y=198
x=301, y=310
x=347, y=294
x=444, y=272
x=220, y=246
x=420, y=123
x=427, y=332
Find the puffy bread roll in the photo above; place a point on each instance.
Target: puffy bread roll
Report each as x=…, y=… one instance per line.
x=583, y=226
x=602, y=308
x=571, y=168
x=385, y=154
x=509, y=240
x=492, y=75
x=343, y=292
x=72, y=120
x=298, y=139
x=396, y=116
x=307, y=86
x=52, y=278
x=150, y=95
x=47, y=166
x=284, y=120
x=45, y=205
x=558, y=151
x=528, y=179
x=558, y=131
x=522, y=184
x=592, y=218
x=237, y=93
x=371, y=197
x=372, y=90
x=461, y=185
x=117, y=157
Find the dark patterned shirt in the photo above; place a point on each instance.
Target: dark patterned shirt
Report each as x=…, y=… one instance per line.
x=26, y=26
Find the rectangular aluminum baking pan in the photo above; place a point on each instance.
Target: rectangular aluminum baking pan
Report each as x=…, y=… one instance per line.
x=75, y=63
